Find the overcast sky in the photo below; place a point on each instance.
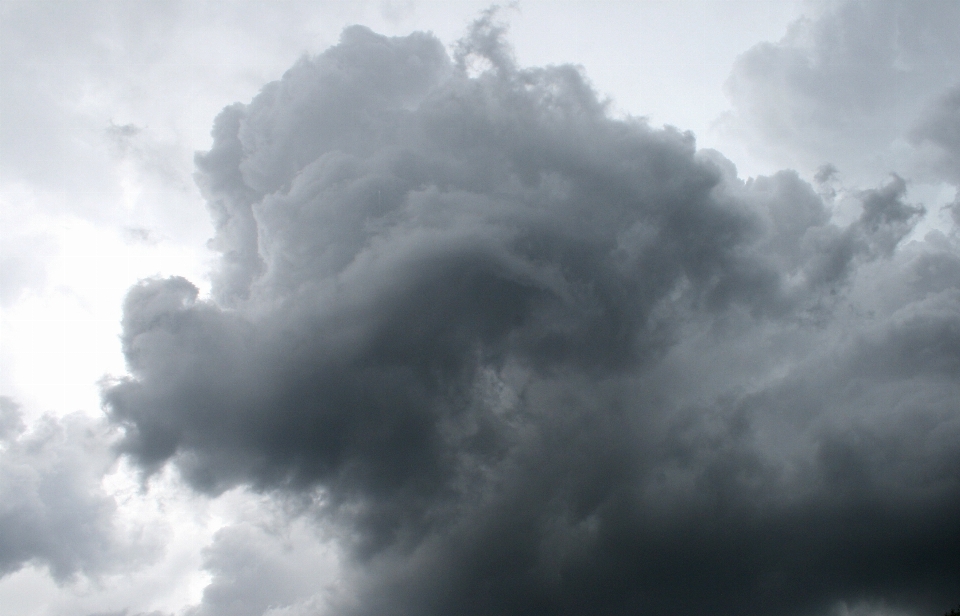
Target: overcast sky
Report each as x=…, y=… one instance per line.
x=427, y=308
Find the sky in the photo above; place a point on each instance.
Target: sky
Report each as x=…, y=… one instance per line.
x=409, y=307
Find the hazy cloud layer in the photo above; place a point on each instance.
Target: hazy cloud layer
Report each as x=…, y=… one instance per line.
x=528, y=359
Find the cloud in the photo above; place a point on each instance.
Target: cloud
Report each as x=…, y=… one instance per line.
x=534, y=359
x=938, y=129
x=850, y=85
x=271, y=563
x=53, y=510
x=127, y=613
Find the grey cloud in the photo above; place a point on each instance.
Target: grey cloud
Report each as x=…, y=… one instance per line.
x=940, y=127
x=11, y=422
x=53, y=510
x=538, y=360
x=955, y=209
x=259, y=566
x=128, y=613
x=809, y=253
x=886, y=218
x=885, y=206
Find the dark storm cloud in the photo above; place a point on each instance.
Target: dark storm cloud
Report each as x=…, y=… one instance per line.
x=535, y=360
x=53, y=510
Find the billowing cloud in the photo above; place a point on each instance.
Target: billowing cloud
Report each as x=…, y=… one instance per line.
x=523, y=357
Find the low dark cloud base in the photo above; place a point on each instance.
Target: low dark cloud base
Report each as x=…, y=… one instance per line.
x=536, y=360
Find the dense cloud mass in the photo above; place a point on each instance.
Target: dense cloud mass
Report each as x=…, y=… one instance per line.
x=530, y=359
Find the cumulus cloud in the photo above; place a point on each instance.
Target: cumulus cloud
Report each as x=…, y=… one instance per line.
x=851, y=85
x=533, y=359
x=53, y=509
